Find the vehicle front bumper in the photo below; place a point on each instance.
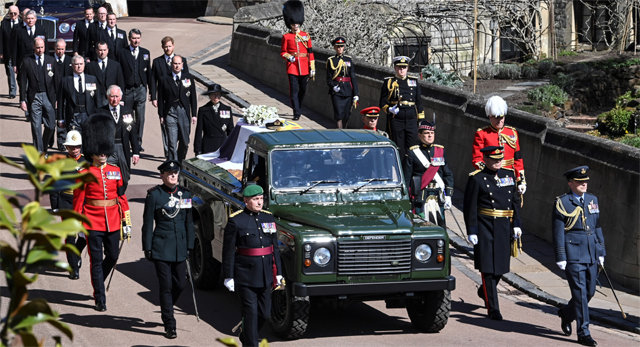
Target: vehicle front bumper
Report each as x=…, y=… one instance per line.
x=397, y=287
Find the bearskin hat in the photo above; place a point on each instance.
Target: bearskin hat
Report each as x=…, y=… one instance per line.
x=293, y=12
x=98, y=135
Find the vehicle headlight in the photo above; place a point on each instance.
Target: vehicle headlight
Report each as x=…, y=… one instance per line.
x=64, y=28
x=423, y=253
x=73, y=27
x=321, y=256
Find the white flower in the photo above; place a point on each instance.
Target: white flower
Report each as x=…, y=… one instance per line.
x=259, y=114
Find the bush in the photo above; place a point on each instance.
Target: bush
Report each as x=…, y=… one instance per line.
x=631, y=140
x=434, y=74
x=548, y=96
x=487, y=71
x=508, y=71
x=545, y=67
x=567, y=53
x=615, y=122
x=529, y=72
x=564, y=81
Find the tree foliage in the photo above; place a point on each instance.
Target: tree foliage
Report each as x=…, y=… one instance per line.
x=35, y=236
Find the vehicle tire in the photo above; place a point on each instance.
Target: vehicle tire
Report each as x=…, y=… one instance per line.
x=429, y=313
x=204, y=268
x=289, y=314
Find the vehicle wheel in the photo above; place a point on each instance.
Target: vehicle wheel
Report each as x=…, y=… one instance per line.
x=430, y=312
x=204, y=268
x=289, y=314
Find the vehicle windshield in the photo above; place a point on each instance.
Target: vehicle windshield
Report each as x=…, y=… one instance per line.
x=321, y=168
x=54, y=3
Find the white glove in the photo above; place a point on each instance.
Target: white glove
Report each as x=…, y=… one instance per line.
x=517, y=232
x=601, y=260
x=228, y=282
x=292, y=59
x=473, y=239
x=522, y=188
x=356, y=98
x=336, y=88
x=312, y=73
x=126, y=232
x=278, y=279
x=394, y=109
x=447, y=202
x=562, y=264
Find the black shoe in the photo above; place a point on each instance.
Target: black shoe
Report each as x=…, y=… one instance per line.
x=495, y=315
x=296, y=117
x=79, y=264
x=170, y=333
x=587, y=341
x=100, y=306
x=480, y=293
x=75, y=275
x=12, y=96
x=565, y=324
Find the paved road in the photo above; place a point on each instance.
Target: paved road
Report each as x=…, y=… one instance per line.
x=133, y=317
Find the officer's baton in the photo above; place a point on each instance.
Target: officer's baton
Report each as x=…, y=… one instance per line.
x=193, y=289
x=624, y=315
x=114, y=265
x=459, y=227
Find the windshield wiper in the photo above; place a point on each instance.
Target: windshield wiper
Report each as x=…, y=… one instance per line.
x=368, y=181
x=316, y=183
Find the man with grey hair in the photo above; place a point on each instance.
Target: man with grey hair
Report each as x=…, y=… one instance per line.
x=38, y=94
x=23, y=37
x=136, y=67
x=9, y=25
x=79, y=95
x=62, y=68
x=126, y=140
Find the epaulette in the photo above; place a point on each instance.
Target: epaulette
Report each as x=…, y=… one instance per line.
x=414, y=147
x=435, y=145
x=235, y=213
x=474, y=172
x=510, y=127
x=265, y=211
x=152, y=189
x=479, y=129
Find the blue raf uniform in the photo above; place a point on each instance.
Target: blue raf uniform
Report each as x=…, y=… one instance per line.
x=579, y=246
x=491, y=209
x=250, y=256
x=168, y=244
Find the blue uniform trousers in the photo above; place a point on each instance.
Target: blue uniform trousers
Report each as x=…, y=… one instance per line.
x=582, y=282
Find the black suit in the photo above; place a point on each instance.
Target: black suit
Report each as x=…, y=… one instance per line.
x=23, y=43
x=177, y=103
x=7, y=52
x=37, y=90
x=81, y=38
x=116, y=44
x=213, y=127
x=137, y=75
x=61, y=71
x=111, y=75
x=95, y=35
x=253, y=275
x=161, y=68
x=126, y=142
x=74, y=107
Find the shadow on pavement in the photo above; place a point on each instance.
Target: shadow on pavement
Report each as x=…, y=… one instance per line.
x=101, y=320
x=63, y=298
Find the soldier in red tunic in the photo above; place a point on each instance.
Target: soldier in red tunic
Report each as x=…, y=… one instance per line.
x=297, y=50
x=497, y=134
x=103, y=202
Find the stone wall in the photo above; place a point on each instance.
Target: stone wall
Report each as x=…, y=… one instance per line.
x=548, y=150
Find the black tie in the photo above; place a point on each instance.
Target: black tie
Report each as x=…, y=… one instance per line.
x=38, y=60
x=102, y=67
x=581, y=201
x=115, y=114
x=30, y=32
x=112, y=36
x=59, y=60
x=80, y=85
x=178, y=80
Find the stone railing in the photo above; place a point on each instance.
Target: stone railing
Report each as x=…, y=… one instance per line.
x=548, y=151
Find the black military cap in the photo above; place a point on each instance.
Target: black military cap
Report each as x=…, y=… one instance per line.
x=426, y=125
x=169, y=166
x=214, y=88
x=339, y=41
x=580, y=173
x=493, y=152
x=401, y=60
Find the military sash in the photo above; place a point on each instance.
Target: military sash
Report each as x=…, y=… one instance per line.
x=432, y=171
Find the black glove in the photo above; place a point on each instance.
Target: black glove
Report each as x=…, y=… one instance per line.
x=147, y=254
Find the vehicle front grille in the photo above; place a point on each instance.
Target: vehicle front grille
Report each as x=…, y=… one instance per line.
x=376, y=257
x=49, y=26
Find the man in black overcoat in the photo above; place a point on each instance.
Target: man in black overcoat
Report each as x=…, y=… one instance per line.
x=491, y=207
x=107, y=71
x=249, y=252
x=215, y=122
x=79, y=95
x=11, y=23
x=82, y=32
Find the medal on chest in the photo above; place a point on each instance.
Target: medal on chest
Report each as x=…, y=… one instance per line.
x=268, y=228
x=504, y=181
x=113, y=175
x=593, y=207
x=437, y=161
x=225, y=114
x=412, y=83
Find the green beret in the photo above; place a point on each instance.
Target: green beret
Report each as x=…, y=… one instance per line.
x=252, y=190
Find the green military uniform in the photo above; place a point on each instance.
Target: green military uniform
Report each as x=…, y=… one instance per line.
x=168, y=243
